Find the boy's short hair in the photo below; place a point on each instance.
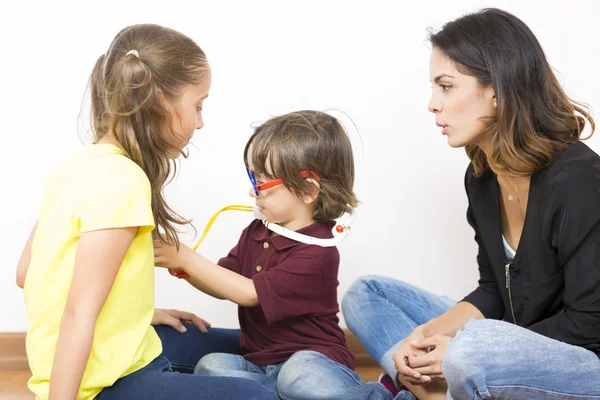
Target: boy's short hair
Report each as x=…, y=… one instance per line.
x=307, y=140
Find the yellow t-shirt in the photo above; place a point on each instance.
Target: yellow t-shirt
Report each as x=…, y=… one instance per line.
x=99, y=188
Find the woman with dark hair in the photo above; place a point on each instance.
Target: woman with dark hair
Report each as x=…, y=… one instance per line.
x=531, y=329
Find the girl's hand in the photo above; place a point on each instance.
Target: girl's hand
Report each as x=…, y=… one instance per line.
x=167, y=255
x=430, y=364
x=176, y=319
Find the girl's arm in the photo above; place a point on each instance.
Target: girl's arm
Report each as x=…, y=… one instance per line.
x=25, y=258
x=97, y=262
x=208, y=277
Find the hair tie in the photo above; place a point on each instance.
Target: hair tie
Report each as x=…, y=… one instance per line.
x=134, y=52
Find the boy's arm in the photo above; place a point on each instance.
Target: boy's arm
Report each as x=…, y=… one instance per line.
x=225, y=284
x=25, y=259
x=206, y=276
x=97, y=262
x=203, y=288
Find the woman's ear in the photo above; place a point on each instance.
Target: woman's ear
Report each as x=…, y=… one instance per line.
x=316, y=189
x=490, y=94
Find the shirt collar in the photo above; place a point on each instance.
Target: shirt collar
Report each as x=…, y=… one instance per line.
x=100, y=149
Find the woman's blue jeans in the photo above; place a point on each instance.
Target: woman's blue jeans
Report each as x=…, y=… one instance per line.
x=488, y=359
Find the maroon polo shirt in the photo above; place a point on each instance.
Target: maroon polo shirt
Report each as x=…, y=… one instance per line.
x=296, y=285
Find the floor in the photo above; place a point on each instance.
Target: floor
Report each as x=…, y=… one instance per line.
x=13, y=384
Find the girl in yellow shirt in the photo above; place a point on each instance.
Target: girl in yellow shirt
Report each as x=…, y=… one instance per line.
x=88, y=269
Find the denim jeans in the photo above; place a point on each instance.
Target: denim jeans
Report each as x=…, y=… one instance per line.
x=233, y=365
x=487, y=359
x=306, y=375
x=170, y=377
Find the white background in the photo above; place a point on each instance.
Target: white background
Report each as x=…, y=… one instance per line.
x=369, y=59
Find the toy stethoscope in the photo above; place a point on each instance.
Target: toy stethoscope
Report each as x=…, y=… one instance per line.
x=339, y=231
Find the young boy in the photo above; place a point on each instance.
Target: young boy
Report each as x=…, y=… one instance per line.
x=302, y=170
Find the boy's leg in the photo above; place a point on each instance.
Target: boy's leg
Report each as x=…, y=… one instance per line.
x=309, y=375
x=232, y=365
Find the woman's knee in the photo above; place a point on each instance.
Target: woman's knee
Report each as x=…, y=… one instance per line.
x=356, y=295
x=361, y=286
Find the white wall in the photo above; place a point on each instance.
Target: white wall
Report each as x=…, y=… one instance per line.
x=272, y=57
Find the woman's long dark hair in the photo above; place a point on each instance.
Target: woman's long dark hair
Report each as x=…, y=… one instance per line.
x=535, y=118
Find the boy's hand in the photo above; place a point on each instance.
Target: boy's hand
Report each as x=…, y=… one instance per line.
x=167, y=256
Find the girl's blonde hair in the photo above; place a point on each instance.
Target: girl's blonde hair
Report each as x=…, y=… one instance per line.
x=144, y=67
